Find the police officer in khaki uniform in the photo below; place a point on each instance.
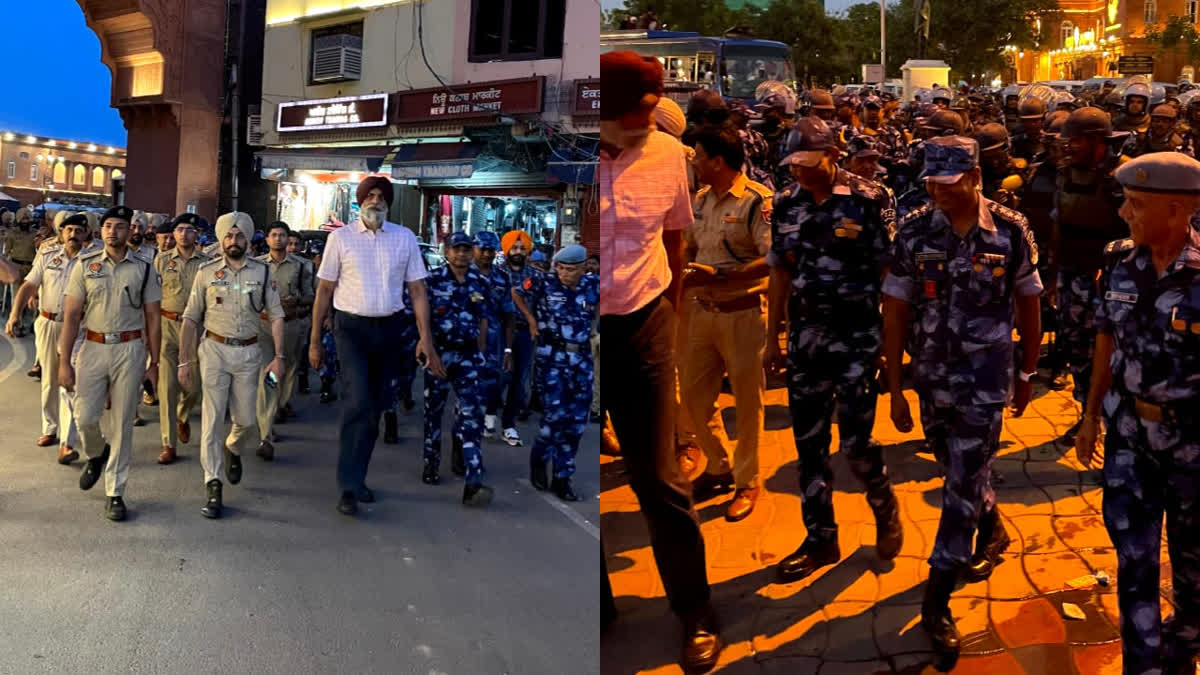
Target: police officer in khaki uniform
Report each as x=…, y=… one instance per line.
x=726, y=251
x=177, y=268
x=117, y=296
x=227, y=296
x=47, y=280
x=21, y=250
x=293, y=280
x=141, y=235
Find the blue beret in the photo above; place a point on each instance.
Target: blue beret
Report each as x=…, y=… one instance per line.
x=807, y=142
x=487, y=239
x=571, y=255
x=122, y=212
x=948, y=157
x=1172, y=172
x=537, y=256
x=460, y=238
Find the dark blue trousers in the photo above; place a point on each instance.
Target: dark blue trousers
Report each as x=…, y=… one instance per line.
x=366, y=350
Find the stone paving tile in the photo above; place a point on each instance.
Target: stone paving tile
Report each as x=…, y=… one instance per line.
x=861, y=615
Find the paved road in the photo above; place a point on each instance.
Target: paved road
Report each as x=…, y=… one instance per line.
x=284, y=584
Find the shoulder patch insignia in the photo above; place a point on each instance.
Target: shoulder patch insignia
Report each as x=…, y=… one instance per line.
x=528, y=283
x=94, y=267
x=1118, y=247
x=916, y=214
x=220, y=274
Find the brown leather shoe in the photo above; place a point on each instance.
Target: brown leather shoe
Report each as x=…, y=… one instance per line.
x=185, y=431
x=742, y=504
x=167, y=455
x=46, y=441
x=689, y=461
x=67, y=454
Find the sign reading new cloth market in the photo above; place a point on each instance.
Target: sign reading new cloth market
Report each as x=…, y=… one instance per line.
x=346, y=112
x=587, y=97
x=465, y=101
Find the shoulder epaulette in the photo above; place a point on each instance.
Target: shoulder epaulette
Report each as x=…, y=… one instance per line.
x=758, y=189
x=206, y=263
x=1008, y=214
x=92, y=254
x=50, y=247
x=1119, y=247
x=916, y=214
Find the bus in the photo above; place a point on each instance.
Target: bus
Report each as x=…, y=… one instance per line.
x=732, y=66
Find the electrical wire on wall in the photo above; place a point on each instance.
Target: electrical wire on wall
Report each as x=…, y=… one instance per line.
x=421, y=40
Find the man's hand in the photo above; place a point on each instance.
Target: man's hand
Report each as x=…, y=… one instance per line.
x=1022, y=392
x=1086, y=443
x=508, y=362
x=276, y=367
x=1051, y=294
x=289, y=304
x=316, y=354
x=185, y=377
x=773, y=359
x=32, y=303
x=432, y=361
x=151, y=372
x=696, y=274
x=901, y=416
x=10, y=328
x=66, y=375
x=533, y=330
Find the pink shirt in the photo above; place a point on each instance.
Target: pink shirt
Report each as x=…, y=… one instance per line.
x=642, y=192
x=371, y=268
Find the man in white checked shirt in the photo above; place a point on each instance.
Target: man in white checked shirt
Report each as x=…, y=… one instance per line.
x=365, y=268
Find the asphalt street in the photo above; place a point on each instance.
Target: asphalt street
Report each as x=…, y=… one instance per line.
x=417, y=583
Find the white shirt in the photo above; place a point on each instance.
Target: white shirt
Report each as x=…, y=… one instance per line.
x=371, y=268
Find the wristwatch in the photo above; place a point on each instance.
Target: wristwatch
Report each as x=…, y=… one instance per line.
x=1024, y=376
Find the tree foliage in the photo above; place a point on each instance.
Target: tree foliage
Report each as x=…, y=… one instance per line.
x=1178, y=31
x=969, y=36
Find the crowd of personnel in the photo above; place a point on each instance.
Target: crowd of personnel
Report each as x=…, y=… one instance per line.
x=828, y=234
x=130, y=308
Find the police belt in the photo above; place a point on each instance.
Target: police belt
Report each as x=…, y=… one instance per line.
x=113, y=338
x=232, y=342
x=573, y=347
x=22, y=262
x=174, y=316
x=753, y=301
x=50, y=316
x=1172, y=412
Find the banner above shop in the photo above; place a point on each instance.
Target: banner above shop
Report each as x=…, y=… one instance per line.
x=587, y=98
x=434, y=160
x=465, y=101
x=346, y=112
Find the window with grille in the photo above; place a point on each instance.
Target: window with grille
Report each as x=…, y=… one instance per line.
x=516, y=30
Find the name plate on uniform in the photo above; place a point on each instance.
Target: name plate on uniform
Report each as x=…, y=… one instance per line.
x=1130, y=298
x=930, y=256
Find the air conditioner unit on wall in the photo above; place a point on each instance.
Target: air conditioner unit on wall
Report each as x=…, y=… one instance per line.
x=337, y=58
x=254, y=133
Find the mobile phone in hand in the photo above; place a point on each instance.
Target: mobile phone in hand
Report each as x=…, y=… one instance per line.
x=270, y=380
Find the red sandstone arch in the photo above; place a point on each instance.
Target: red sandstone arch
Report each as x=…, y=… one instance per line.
x=166, y=58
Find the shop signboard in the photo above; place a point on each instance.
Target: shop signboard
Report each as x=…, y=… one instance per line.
x=345, y=112
x=434, y=170
x=465, y=101
x=587, y=97
x=1136, y=65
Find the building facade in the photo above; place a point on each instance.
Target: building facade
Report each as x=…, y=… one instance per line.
x=34, y=170
x=485, y=113
x=1090, y=36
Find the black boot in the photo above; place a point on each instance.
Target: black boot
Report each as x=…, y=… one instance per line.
x=212, y=508
x=889, y=533
x=327, y=390
x=457, y=465
x=562, y=487
x=991, y=541
x=537, y=474
x=812, y=555
x=936, y=618
x=391, y=434
x=701, y=643
x=302, y=382
x=477, y=495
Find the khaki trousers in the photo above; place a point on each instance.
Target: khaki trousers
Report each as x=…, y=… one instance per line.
x=230, y=383
x=109, y=371
x=720, y=343
x=174, y=404
x=45, y=339
x=68, y=429
x=684, y=427
x=269, y=400
x=291, y=375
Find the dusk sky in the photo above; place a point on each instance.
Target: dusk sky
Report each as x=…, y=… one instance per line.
x=57, y=86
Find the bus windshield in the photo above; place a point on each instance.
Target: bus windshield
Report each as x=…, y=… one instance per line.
x=747, y=66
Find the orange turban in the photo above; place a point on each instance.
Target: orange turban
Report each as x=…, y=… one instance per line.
x=510, y=238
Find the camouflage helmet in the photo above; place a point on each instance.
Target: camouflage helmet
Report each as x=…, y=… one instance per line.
x=942, y=93
x=991, y=136
x=1032, y=108
x=1087, y=122
x=1010, y=90
x=1065, y=98
x=1190, y=98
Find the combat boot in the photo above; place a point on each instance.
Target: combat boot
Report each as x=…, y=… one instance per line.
x=936, y=618
x=457, y=466
x=429, y=475
x=327, y=394
x=812, y=555
x=537, y=474
x=477, y=495
x=889, y=533
x=212, y=508
x=990, y=542
x=391, y=434
x=565, y=491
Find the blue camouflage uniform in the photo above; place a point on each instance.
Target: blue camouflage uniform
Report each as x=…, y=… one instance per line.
x=962, y=292
x=500, y=309
x=1152, y=446
x=456, y=308
x=515, y=382
x=834, y=252
x=407, y=342
x=565, y=318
